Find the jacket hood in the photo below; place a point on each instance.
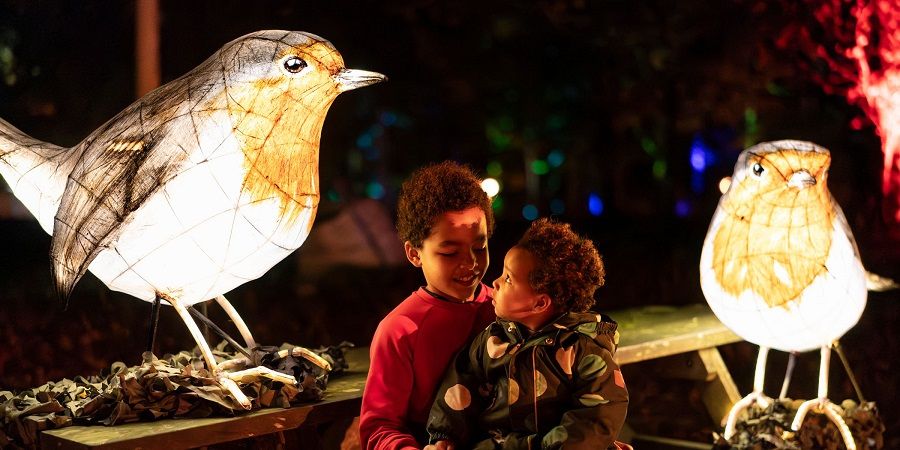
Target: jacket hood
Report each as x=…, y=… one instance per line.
x=565, y=329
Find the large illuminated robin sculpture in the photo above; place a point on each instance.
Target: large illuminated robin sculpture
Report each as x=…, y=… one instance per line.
x=780, y=266
x=198, y=187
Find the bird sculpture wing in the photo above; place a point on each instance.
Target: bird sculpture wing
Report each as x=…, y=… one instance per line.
x=120, y=166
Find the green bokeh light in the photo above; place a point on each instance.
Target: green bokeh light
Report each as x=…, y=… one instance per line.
x=540, y=167
x=497, y=204
x=649, y=146
x=659, y=169
x=494, y=169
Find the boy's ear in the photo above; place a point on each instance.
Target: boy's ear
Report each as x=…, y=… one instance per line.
x=543, y=303
x=412, y=254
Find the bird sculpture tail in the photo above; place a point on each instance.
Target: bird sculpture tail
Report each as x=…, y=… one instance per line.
x=878, y=283
x=36, y=171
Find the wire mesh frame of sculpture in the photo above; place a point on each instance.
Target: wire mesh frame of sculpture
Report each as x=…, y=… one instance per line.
x=196, y=188
x=780, y=266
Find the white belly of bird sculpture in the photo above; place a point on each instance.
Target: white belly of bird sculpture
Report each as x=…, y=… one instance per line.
x=823, y=312
x=201, y=235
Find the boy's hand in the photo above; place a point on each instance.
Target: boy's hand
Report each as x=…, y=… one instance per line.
x=440, y=445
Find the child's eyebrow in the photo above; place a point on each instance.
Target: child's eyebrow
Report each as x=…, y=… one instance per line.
x=448, y=243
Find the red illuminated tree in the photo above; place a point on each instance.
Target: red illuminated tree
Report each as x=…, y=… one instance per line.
x=853, y=49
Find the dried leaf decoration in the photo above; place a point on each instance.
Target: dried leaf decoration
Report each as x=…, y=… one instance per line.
x=770, y=428
x=174, y=386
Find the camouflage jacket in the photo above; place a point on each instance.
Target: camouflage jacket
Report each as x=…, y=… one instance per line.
x=556, y=388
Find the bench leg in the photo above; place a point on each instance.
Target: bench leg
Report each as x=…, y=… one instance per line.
x=704, y=365
x=720, y=393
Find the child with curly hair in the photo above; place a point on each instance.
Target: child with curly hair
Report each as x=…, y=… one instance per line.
x=543, y=374
x=444, y=219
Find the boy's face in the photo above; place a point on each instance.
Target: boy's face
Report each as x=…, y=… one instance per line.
x=454, y=256
x=514, y=298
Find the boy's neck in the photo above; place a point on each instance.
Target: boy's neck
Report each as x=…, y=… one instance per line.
x=451, y=299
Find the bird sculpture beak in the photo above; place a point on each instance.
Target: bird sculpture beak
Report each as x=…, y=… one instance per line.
x=348, y=79
x=801, y=179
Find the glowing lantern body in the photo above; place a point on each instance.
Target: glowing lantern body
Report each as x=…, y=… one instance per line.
x=779, y=265
x=199, y=186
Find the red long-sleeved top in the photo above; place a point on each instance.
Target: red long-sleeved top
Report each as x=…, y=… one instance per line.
x=410, y=352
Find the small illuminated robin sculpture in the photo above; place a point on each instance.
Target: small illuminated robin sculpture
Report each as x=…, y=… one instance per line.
x=198, y=187
x=779, y=265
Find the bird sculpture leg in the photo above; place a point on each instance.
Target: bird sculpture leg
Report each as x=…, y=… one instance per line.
x=825, y=405
x=248, y=375
x=207, y=353
x=837, y=349
x=237, y=320
x=756, y=396
x=221, y=372
x=788, y=373
x=251, y=343
x=154, y=322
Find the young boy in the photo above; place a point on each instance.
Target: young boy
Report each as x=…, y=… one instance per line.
x=543, y=374
x=444, y=219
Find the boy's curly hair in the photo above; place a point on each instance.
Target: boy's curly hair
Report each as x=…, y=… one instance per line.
x=568, y=267
x=433, y=190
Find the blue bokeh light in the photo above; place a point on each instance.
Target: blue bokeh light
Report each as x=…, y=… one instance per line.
x=388, y=118
x=595, y=204
x=682, y=208
x=555, y=158
x=365, y=140
x=557, y=206
x=530, y=212
x=702, y=155
x=375, y=190
x=698, y=155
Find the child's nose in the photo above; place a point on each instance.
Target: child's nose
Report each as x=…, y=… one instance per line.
x=496, y=284
x=469, y=261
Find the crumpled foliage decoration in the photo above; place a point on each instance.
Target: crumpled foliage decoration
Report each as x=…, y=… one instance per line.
x=770, y=428
x=174, y=386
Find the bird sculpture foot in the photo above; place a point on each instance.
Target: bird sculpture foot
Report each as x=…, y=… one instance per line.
x=830, y=410
x=298, y=352
x=757, y=397
x=234, y=371
x=232, y=387
x=255, y=373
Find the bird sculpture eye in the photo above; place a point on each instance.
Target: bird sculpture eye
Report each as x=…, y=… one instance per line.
x=758, y=169
x=294, y=64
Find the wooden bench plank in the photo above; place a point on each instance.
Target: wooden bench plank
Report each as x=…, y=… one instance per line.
x=657, y=331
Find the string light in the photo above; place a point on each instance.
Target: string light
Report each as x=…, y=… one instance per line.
x=490, y=186
x=724, y=184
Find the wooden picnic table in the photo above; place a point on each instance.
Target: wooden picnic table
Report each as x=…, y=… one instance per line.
x=691, y=334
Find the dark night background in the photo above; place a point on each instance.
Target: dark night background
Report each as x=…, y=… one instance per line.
x=591, y=112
